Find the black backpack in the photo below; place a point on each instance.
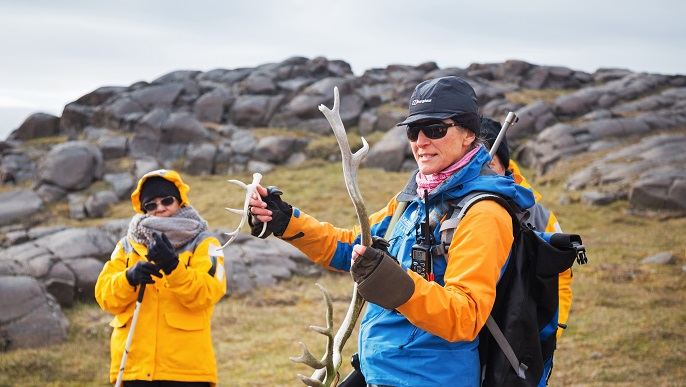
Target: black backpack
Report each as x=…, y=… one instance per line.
x=522, y=327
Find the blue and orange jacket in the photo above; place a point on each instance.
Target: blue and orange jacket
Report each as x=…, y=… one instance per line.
x=432, y=339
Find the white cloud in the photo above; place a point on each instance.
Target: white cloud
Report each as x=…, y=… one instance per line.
x=7, y=101
x=55, y=52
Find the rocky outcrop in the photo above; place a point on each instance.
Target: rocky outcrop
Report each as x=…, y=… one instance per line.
x=30, y=316
x=650, y=173
x=643, y=119
x=66, y=261
x=209, y=119
x=392, y=153
x=197, y=116
x=38, y=125
x=19, y=204
x=72, y=166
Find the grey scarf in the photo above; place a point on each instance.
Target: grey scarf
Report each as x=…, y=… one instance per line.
x=180, y=228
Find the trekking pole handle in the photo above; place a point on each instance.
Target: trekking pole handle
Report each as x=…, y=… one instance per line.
x=140, y=293
x=510, y=120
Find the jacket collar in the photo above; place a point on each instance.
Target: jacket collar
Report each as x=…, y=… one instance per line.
x=475, y=176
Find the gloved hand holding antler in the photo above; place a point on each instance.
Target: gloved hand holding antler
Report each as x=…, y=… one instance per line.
x=270, y=209
x=380, y=278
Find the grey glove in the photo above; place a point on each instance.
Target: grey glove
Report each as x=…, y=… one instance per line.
x=281, y=214
x=381, y=280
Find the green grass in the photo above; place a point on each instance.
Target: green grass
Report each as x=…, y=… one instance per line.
x=625, y=327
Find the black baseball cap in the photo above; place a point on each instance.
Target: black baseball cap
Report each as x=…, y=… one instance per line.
x=442, y=98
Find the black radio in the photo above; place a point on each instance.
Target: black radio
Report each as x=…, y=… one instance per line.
x=421, y=260
x=421, y=251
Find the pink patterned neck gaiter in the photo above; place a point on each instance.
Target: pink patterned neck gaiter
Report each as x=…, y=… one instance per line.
x=429, y=182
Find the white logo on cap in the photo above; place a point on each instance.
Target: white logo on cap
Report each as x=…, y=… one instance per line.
x=418, y=101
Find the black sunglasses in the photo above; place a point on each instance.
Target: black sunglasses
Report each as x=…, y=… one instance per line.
x=433, y=131
x=152, y=205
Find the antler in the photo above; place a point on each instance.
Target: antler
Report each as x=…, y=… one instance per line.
x=326, y=366
x=326, y=373
x=351, y=163
x=250, y=189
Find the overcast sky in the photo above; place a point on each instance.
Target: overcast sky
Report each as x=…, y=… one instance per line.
x=53, y=52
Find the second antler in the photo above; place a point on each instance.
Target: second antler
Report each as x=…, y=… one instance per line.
x=250, y=189
x=326, y=370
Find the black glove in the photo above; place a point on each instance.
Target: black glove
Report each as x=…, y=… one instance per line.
x=142, y=272
x=381, y=244
x=381, y=280
x=281, y=214
x=162, y=253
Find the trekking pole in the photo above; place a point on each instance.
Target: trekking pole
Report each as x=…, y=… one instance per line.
x=510, y=120
x=128, y=339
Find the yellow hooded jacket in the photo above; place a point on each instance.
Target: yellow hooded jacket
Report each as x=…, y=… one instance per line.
x=171, y=339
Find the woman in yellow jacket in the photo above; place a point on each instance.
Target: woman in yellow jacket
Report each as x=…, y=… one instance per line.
x=167, y=249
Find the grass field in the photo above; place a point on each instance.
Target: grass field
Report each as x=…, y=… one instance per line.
x=626, y=326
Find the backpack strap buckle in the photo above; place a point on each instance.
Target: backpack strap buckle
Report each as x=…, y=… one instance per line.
x=581, y=257
x=440, y=249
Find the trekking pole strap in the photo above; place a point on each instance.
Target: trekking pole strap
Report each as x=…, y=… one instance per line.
x=497, y=334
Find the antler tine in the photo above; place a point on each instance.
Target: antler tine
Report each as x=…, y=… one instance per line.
x=310, y=382
x=307, y=358
x=235, y=211
x=324, y=368
x=250, y=189
x=351, y=162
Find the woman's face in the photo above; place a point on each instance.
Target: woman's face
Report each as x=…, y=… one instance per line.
x=497, y=166
x=435, y=155
x=164, y=207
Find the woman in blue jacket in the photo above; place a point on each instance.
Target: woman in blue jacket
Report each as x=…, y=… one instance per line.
x=420, y=330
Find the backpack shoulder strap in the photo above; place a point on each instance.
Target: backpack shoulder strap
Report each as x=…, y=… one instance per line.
x=396, y=215
x=459, y=210
x=519, y=367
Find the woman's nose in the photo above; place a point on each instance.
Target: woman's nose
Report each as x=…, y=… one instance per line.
x=422, y=139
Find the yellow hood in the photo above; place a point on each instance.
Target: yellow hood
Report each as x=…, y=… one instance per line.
x=167, y=174
x=521, y=180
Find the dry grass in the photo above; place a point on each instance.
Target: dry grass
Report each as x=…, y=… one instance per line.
x=265, y=329
x=625, y=328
